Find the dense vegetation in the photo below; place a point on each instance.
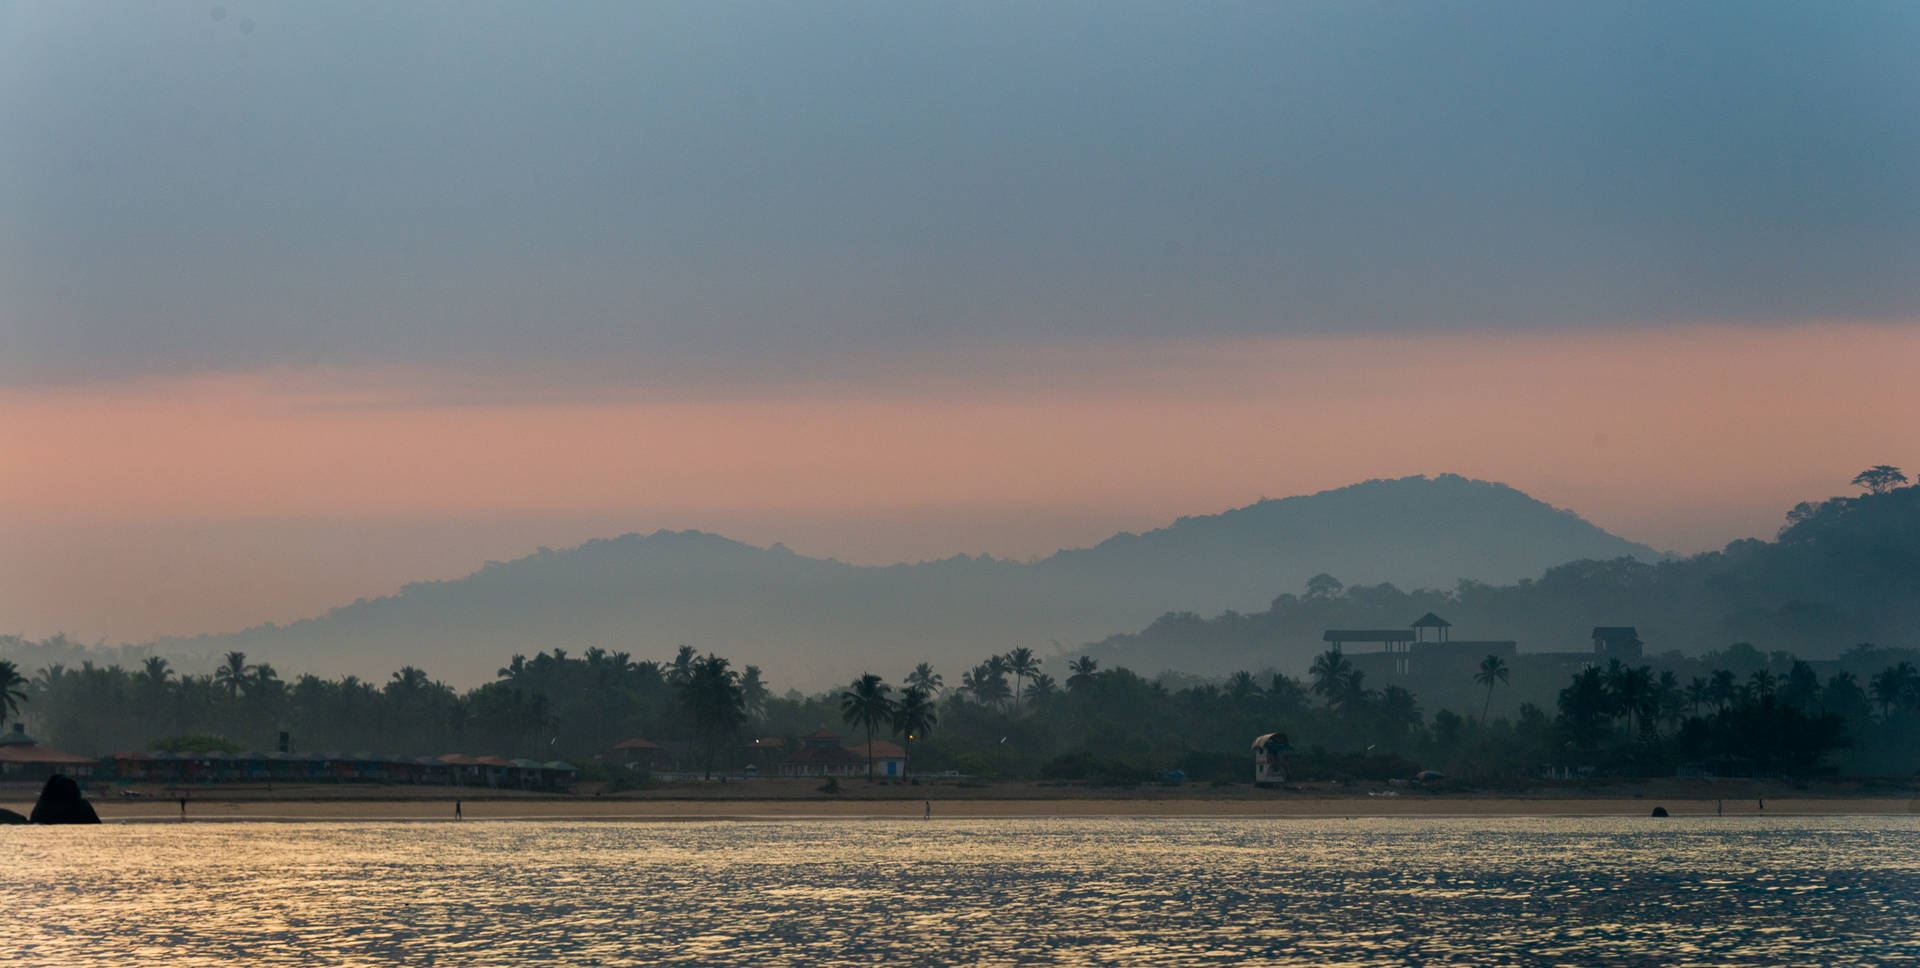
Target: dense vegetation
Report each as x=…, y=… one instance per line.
x=1006, y=717
x=1854, y=708
x=1842, y=571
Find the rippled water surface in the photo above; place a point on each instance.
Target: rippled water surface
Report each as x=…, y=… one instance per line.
x=1068, y=891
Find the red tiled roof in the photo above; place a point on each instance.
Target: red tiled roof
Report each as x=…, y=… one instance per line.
x=636, y=744
x=825, y=754
x=882, y=750
x=29, y=753
x=822, y=734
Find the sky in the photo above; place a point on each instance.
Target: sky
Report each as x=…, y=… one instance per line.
x=299, y=303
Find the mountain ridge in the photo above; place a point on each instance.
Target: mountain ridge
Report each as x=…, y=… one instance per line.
x=809, y=620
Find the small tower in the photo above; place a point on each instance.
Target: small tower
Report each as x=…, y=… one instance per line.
x=1430, y=621
x=1616, y=642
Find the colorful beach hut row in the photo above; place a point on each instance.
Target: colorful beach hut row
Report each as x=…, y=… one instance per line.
x=453, y=769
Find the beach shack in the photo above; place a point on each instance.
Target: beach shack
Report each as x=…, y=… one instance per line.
x=24, y=761
x=1268, y=767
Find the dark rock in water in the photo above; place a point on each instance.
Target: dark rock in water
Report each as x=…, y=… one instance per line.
x=1659, y=811
x=61, y=802
x=8, y=816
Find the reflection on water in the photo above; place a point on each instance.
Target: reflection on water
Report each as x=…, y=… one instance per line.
x=1067, y=891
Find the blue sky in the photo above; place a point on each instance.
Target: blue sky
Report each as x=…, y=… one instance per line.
x=200, y=186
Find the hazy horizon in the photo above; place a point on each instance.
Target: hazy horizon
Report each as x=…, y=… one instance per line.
x=301, y=304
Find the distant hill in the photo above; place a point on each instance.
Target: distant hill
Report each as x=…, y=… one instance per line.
x=1842, y=572
x=811, y=622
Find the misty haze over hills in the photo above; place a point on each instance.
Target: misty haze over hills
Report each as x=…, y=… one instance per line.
x=810, y=622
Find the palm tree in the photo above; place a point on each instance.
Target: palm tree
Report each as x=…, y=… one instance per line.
x=408, y=683
x=1242, y=688
x=712, y=696
x=1721, y=688
x=1022, y=664
x=1044, y=688
x=1699, y=693
x=1764, y=683
x=11, y=692
x=928, y=680
x=753, y=692
x=1493, y=670
x=682, y=668
x=1632, y=691
x=265, y=682
x=913, y=716
x=233, y=673
x=1080, y=673
x=865, y=703
x=155, y=673
x=1894, y=686
x=1333, y=676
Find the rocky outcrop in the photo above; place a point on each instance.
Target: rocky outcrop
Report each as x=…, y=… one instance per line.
x=61, y=802
x=9, y=817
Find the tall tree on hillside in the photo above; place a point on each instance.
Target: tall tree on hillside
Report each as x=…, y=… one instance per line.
x=1880, y=478
x=1022, y=665
x=1324, y=585
x=12, y=690
x=234, y=673
x=926, y=679
x=1080, y=673
x=913, y=717
x=712, y=698
x=865, y=703
x=1493, y=670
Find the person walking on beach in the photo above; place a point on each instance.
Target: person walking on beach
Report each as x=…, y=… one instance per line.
x=456, y=809
x=929, y=814
x=183, y=808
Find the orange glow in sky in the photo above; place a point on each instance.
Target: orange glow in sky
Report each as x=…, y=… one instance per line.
x=1683, y=439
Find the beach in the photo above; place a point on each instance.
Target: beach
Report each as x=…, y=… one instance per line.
x=776, y=800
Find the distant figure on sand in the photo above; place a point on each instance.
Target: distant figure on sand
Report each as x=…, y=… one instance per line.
x=456, y=809
x=183, y=808
x=929, y=814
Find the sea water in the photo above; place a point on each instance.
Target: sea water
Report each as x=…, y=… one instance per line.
x=1680, y=891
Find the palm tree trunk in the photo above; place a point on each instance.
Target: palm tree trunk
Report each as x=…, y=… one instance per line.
x=869, y=751
x=1488, y=705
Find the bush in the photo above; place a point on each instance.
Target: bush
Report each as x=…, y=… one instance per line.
x=194, y=743
x=1218, y=768
x=1085, y=767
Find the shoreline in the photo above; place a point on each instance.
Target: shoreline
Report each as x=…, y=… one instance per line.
x=1281, y=807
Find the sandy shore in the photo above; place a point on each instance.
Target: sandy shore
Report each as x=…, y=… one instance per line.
x=1278, y=806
